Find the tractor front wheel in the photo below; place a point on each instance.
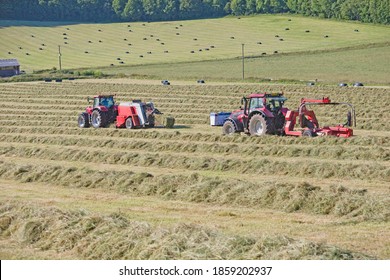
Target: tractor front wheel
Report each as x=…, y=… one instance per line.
x=129, y=123
x=83, y=120
x=98, y=119
x=258, y=126
x=228, y=128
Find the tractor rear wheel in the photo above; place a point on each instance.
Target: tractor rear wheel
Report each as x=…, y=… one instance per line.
x=98, y=119
x=228, y=128
x=258, y=126
x=83, y=120
x=129, y=123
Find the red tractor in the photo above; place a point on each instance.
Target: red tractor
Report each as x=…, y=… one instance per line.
x=264, y=114
x=102, y=112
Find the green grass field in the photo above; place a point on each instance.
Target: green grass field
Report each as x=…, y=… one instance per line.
x=331, y=51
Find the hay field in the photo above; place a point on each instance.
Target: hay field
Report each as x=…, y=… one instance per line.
x=117, y=47
x=188, y=192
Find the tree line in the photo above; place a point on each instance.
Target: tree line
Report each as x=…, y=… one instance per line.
x=374, y=11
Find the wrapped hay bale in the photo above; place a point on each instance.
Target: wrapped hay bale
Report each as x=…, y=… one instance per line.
x=169, y=122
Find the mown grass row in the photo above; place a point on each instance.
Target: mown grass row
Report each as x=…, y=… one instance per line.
x=96, y=236
x=302, y=167
x=341, y=152
x=357, y=205
x=164, y=134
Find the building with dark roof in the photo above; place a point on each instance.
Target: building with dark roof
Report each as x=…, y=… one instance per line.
x=9, y=67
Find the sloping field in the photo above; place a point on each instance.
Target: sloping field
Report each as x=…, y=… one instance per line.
x=36, y=44
x=189, y=192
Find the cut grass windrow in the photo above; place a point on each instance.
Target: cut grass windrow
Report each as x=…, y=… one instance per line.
x=357, y=205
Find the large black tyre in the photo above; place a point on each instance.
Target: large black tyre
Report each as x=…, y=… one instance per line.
x=228, y=128
x=83, y=120
x=259, y=126
x=99, y=119
x=129, y=123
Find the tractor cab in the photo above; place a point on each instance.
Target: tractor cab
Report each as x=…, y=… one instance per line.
x=272, y=103
x=103, y=100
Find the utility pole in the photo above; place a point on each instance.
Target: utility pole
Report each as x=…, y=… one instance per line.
x=243, y=65
x=59, y=56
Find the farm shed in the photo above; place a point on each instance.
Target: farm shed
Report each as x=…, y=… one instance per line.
x=9, y=67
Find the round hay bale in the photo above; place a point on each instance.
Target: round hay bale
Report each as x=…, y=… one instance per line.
x=232, y=37
x=310, y=83
x=124, y=39
x=212, y=47
x=100, y=30
x=281, y=39
x=343, y=85
x=192, y=51
x=264, y=53
x=287, y=28
x=9, y=52
x=86, y=52
x=65, y=43
x=356, y=30
x=177, y=33
x=121, y=62
x=58, y=80
x=64, y=34
x=42, y=45
x=169, y=122
x=111, y=64
x=307, y=31
x=259, y=43
x=118, y=58
x=130, y=30
x=275, y=52
x=206, y=49
x=149, y=52
x=162, y=43
x=276, y=36
x=141, y=55
x=358, y=84
x=165, y=51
